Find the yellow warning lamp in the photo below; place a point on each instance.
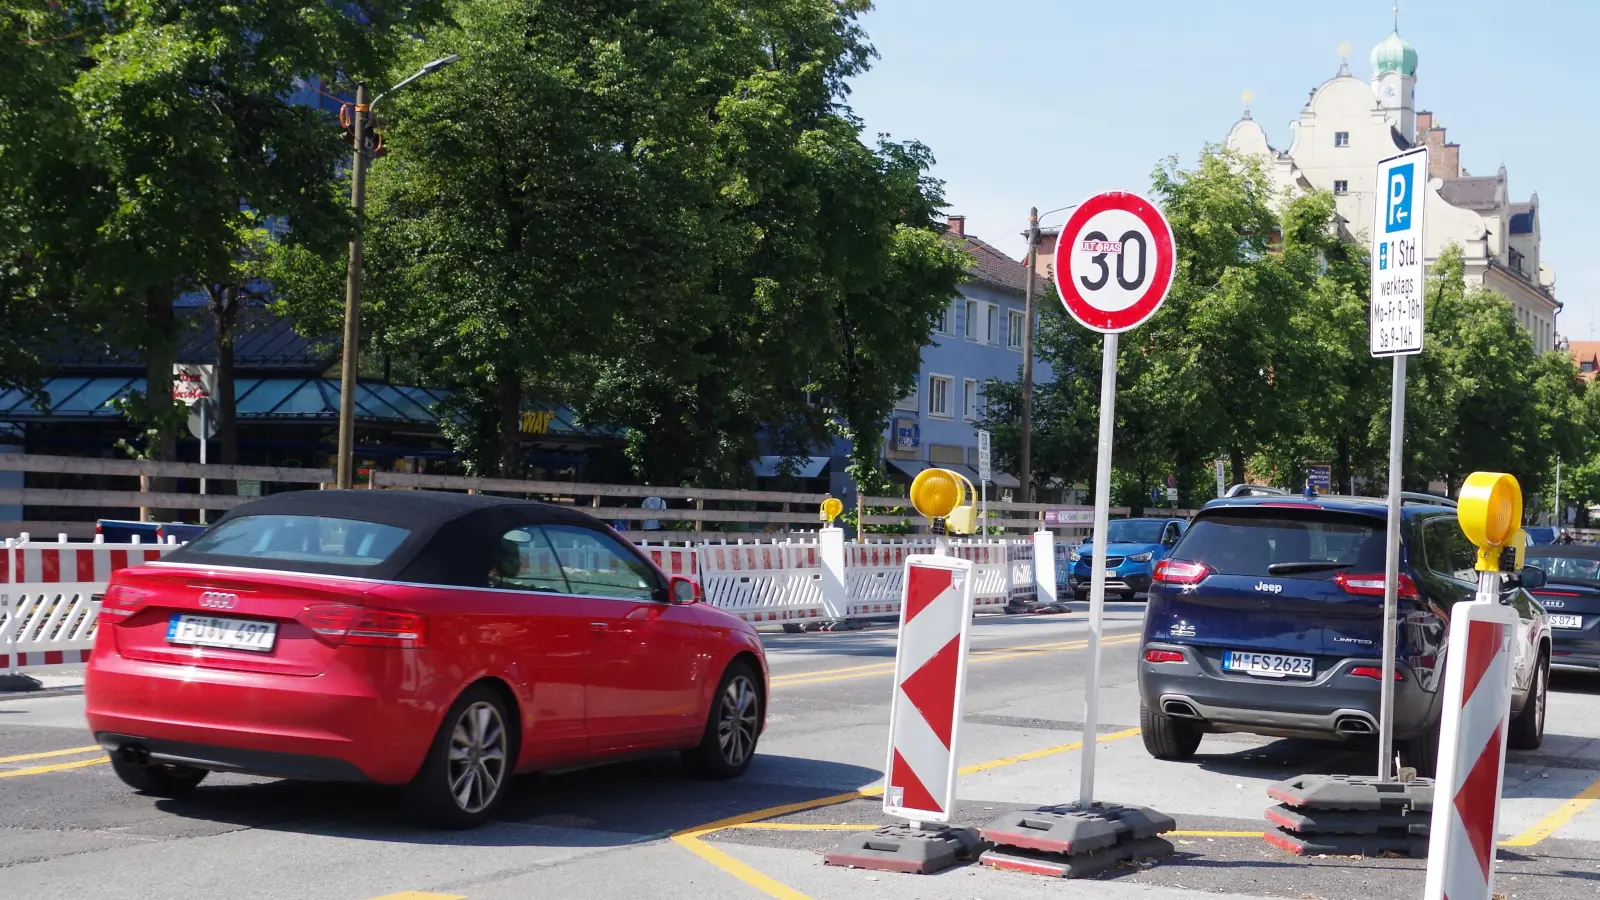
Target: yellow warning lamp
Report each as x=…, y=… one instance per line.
x=831, y=508
x=1490, y=512
x=946, y=498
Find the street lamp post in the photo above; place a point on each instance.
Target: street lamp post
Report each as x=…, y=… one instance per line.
x=1025, y=444
x=352, y=283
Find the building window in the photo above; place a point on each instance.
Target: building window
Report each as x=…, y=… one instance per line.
x=939, y=396
x=1341, y=188
x=1341, y=138
x=1586, y=366
x=972, y=320
x=992, y=325
x=969, y=399
x=943, y=324
x=1014, y=330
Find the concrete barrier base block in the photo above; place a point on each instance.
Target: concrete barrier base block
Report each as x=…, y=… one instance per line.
x=17, y=681
x=901, y=848
x=1349, y=821
x=1070, y=829
x=1402, y=844
x=1353, y=792
x=1076, y=865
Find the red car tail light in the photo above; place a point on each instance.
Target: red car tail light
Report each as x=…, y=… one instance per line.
x=1173, y=571
x=1372, y=585
x=1375, y=673
x=358, y=626
x=120, y=602
x=1162, y=656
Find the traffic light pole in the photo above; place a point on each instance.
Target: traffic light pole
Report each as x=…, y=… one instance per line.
x=352, y=299
x=1025, y=450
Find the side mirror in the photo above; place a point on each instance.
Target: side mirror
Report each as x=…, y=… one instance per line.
x=686, y=591
x=1533, y=578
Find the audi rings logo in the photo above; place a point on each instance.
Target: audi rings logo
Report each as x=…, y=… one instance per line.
x=218, y=600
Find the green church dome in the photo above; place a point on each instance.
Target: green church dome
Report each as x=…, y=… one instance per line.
x=1394, y=55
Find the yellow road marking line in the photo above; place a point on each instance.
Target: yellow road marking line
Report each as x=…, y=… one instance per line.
x=802, y=678
x=690, y=838
x=73, y=751
x=739, y=869
x=1237, y=834
x=420, y=895
x=1553, y=822
x=787, y=826
x=40, y=770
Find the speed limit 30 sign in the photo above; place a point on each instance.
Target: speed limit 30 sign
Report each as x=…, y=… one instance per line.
x=1114, y=261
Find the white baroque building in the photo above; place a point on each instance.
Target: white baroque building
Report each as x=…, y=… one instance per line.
x=1348, y=125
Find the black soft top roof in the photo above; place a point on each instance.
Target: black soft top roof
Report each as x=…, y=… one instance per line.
x=451, y=542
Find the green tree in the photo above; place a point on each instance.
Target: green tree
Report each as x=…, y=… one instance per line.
x=194, y=136
x=679, y=231
x=49, y=201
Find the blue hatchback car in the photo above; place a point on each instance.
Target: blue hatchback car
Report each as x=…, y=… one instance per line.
x=1267, y=618
x=1133, y=547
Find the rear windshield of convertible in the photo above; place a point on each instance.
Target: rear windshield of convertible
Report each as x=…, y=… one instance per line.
x=287, y=539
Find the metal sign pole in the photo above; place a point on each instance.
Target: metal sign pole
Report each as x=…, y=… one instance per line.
x=1097, y=583
x=1391, y=571
x=205, y=425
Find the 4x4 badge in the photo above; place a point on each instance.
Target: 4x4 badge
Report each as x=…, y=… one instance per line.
x=1269, y=587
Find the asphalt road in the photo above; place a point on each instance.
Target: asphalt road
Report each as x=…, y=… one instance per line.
x=70, y=830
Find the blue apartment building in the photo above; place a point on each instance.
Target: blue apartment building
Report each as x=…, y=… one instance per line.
x=979, y=338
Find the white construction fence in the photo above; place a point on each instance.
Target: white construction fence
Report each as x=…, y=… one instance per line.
x=48, y=609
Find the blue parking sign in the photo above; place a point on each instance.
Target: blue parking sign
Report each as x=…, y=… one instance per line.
x=1398, y=197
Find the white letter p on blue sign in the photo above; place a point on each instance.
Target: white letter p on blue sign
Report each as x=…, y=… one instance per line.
x=1399, y=199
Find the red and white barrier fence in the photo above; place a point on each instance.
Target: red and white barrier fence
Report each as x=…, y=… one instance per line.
x=47, y=605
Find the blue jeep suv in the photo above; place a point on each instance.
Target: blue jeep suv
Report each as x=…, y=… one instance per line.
x=1267, y=618
x=1133, y=548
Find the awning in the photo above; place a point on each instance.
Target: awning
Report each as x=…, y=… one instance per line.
x=804, y=467
x=1004, y=479
x=907, y=467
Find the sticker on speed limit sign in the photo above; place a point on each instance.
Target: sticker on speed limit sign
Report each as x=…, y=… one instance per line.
x=1114, y=261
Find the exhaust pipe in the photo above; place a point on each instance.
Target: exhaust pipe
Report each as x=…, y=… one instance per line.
x=1354, y=725
x=1179, y=709
x=137, y=754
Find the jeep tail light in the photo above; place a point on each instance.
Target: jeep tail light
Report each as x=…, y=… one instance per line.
x=1162, y=656
x=120, y=602
x=358, y=626
x=1375, y=673
x=1372, y=585
x=1176, y=571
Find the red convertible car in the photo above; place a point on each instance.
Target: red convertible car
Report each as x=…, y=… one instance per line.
x=439, y=642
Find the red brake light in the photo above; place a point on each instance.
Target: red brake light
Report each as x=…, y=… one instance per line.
x=1557, y=594
x=1372, y=585
x=1375, y=673
x=1174, y=571
x=1162, y=656
x=120, y=602
x=357, y=626
x=1282, y=505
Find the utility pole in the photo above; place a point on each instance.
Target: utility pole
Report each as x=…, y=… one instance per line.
x=352, y=299
x=1026, y=449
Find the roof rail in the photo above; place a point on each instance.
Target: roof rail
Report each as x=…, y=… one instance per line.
x=1256, y=490
x=1428, y=499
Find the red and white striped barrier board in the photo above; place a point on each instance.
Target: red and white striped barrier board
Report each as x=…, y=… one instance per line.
x=57, y=563
x=930, y=680
x=1472, y=752
x=674, y=560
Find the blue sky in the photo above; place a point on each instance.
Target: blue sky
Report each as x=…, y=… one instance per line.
x=1043, y=102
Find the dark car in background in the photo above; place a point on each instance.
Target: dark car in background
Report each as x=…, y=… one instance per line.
x=1572, y=599
x=1267, y=618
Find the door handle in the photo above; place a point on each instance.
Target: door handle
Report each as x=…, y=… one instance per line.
x=598, y=627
